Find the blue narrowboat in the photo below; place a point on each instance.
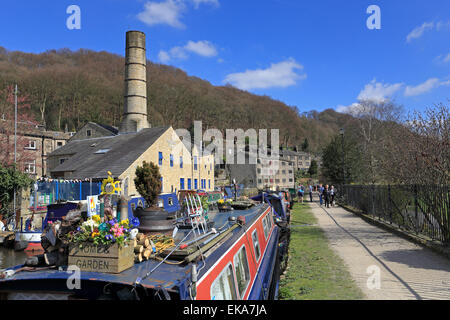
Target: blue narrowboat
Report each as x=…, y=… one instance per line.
x=238, y=258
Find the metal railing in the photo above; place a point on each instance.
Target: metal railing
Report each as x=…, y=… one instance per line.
x=421, y=209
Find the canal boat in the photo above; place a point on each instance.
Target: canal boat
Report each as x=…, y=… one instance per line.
x=29, y=239
x=237, y=258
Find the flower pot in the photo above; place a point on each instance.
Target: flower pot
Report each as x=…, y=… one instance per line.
x=154, y=219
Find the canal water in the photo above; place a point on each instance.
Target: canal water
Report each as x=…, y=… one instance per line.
x=10, y=258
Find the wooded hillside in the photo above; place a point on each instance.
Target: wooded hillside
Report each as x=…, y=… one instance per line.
x=67, y=88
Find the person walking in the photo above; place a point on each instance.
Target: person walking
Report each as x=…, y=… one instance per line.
x=301, y=193
x=332, y=194
x=310, y=192
x=320, y=194
x=326, y=196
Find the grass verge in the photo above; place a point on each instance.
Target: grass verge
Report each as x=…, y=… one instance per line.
x=314, y=271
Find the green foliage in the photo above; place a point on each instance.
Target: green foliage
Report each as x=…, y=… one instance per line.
x=11, y=179
x=332, y=161
x=305, y=145
x=148, y=182
x=313, y=169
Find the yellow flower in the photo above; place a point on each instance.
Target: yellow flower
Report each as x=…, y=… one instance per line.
x=94, y=234
x=124, y=222
x=96, y=218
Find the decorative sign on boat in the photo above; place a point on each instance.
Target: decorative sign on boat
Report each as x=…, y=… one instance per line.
x=109, y=186
x=98, y=258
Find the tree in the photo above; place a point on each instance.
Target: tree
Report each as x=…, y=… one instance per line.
x=313, y=168
x=305, y=145
x=332, y=167
x=148, y=182
x=11, y=180
x=375, y=120
x=419, y=152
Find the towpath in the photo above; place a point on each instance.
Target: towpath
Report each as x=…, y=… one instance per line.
x=406, y=270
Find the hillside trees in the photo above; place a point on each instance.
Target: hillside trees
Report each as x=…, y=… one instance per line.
x=67, y=89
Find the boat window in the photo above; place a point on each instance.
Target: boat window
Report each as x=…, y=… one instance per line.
x=223, y=288
x=265, y=227
x=170, y=201
x=269, y=221
x=256, y=245
x=242, y=271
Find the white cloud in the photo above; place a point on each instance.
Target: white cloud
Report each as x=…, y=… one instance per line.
x=197, y=3
x=378, y=91
x=427, y=26
x=443, y=58
x=419, y=31
x=167, y=12
x=282, y=74
x=163, y=56
x=348, y=109
x=202, y=48
x=425, y=87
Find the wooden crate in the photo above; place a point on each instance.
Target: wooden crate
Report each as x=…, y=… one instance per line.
x=107, y=259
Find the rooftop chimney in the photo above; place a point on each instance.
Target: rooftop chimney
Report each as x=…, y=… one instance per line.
x=135, y=104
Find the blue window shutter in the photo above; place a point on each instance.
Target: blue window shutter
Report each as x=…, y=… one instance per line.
x=160, y=159
x=181, y=162
x=171, y=160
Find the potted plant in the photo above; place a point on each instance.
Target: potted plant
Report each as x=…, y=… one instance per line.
x=148, y=184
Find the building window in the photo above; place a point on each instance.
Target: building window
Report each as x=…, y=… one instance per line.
x=160, y=158
x=61, y=161
x=189, y=184
x=195, y=184
x=209, y=184
x=284, y=180
x=256, y=245
x=290, y=180
x=259, y=181
x=242, y=271
x=162, y=184
x=223, y=288
x=30, y=166
x=258, y=170
x=195, y=163
x=31, y=145
x=181, y=161
x=181, y=183
x=171, y=160
x=88, y=133
x=59, y=143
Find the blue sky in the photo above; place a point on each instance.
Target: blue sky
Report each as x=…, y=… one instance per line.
x=312, y=54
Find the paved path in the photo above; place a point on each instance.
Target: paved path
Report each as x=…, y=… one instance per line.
x=407, y=271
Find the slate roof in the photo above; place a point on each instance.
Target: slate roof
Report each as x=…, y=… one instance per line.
x=123, y=150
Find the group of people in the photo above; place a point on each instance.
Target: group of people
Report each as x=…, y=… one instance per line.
x=326, y=194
